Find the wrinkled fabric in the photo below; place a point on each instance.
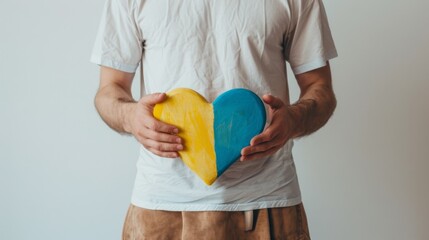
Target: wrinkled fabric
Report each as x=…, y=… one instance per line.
x=212, y=47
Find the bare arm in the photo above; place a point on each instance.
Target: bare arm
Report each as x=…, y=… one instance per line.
x=316, y=104
x=313, y=109
x=114, y=101
x=118, y=109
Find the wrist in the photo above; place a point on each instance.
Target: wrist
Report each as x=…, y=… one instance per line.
x=299, y=117
x=294, y=115
x=128, y=112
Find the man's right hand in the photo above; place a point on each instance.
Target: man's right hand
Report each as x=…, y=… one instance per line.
x=156, y=136
x=117, y=108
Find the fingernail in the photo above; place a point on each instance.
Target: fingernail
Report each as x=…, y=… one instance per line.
x=179, y=147
x=178, y=140
x=176, y=130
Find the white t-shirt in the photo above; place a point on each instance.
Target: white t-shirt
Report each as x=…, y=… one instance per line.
x=212, y=47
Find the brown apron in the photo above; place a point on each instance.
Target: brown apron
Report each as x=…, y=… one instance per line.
x=288, y=223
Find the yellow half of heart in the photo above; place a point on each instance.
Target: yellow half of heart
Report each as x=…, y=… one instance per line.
x=193, y=115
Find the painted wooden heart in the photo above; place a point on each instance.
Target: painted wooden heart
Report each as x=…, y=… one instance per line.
x=213, y=134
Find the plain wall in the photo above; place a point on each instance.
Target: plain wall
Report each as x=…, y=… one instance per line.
x=65, y=175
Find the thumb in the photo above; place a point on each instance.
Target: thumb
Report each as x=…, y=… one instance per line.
x=152, y=99
x=272, y=101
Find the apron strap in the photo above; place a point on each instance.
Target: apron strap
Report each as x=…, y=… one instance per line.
x=248, y=220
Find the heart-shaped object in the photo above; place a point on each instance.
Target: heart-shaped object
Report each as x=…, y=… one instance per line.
x=213, y=134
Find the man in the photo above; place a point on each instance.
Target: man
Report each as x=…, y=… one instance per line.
x=212, y=47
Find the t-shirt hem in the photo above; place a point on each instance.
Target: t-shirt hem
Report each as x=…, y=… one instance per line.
x=216, y=207
x=113, y=64
x=314, y=64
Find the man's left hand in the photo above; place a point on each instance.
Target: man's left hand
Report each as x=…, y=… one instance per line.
x=274, y=136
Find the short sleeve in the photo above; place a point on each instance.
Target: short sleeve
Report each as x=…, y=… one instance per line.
x=118, y=43
x=309, y=44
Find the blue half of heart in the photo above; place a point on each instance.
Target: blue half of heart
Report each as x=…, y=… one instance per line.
x=239, y=115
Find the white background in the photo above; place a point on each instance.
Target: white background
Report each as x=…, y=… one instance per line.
x=65, y=175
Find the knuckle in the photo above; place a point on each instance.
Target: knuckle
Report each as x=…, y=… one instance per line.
x=167, y=137
x=142, y=141
x=161, y=126
x=156, y=125
x=152, y=135
x=259, y=148
x=269, y=135
x=170, y=138
x=176, y=147
x=169, y=147
x=152, y=124
x=140, y=132
x=156, y=152
x=253, y=149
x=262, y=149
x=169, y=129
x=158, y=146
x=166, y=147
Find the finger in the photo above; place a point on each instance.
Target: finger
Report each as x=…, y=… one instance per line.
x=158, y=126
x=162, y=137
x=152, y=99
x=272, y=101
x=164, y=154
x=265, y=136
x=260, y=155
x=162, y=147
x=259, y=148
x=141, y=140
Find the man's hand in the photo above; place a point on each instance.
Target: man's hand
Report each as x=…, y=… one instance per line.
x=274, y=136
x=158, y=137
x=313, y=109
x=116, y=106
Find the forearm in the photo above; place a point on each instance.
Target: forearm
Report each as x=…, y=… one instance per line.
x=115, y=106
x=312, y=110
x=315, y=105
